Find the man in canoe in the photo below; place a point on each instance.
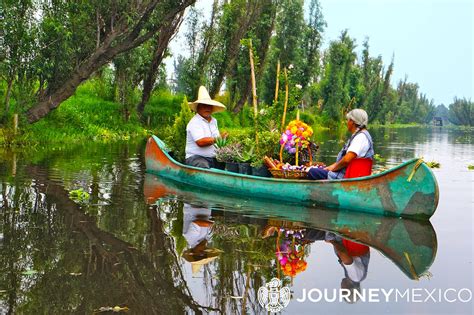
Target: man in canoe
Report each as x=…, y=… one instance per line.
x=202, y=131
x=358, y=148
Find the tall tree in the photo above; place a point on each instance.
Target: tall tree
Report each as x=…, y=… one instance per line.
x=160, y=45
x=81, y=37
x=260, y=33
x=335, y=87
x=237, y=18
x=286, y=45
x=461, y=112
x=18, y=32
x=311, y=43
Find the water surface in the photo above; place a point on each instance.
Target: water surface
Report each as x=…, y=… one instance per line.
x=157, y=247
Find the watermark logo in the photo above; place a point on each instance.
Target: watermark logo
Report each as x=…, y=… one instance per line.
x=272, y=297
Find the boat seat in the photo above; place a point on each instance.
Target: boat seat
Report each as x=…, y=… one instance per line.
x=359, y=167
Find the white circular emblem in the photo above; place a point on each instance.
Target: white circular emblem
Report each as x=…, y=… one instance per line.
x=272, y=297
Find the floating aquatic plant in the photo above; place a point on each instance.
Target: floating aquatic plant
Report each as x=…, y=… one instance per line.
x=79, y=195
x=379, y=158
x=433, y=164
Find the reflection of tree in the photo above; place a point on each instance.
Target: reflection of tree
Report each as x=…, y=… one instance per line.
x=47, y=232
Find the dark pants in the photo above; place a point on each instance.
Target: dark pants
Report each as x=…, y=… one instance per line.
x=318, y=173
x=201, y=161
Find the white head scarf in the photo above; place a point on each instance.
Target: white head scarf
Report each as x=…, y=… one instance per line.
x=359, y=116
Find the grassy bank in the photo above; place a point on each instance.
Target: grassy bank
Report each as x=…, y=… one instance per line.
x=91, y=115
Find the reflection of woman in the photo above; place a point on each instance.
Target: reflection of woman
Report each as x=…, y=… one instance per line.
x=197, y=230
x=354, y=259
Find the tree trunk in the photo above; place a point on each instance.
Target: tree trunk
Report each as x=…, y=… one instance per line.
x=243, y=98
x=161, y=44
x=7, y=96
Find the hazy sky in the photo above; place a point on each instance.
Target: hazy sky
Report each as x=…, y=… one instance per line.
x=432, y=40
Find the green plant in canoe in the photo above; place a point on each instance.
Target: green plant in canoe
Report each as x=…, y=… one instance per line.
x=220, y=142
x=230, y=153
x=247, y=156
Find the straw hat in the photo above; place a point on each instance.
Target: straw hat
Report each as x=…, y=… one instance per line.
x=204, y=98
x=196, y=266
x=198, y=260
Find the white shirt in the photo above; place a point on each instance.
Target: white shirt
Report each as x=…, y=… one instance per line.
x=192, y=232
x=198, y=128
x=359, y=145
x=356, y=270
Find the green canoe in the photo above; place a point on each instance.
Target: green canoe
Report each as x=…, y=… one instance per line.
x=410, y=244
x=408, y=190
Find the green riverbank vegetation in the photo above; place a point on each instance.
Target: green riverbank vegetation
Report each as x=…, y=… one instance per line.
x=77, y=72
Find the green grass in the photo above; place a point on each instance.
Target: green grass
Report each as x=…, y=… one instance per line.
x=90, y=115
x=83, y=118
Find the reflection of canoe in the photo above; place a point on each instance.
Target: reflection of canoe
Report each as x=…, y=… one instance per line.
x=408, y=190
x=409, y=244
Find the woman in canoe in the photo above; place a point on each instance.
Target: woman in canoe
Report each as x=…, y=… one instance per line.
x=359, y=148
x=202, y=131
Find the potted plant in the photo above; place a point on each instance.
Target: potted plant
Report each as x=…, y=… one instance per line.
x=259, y=168
x=230, y=155
x=220, y=143
x=267, y=146
x=244, y=161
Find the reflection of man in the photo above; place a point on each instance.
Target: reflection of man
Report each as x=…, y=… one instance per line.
x=354, y=259
x=197, y=230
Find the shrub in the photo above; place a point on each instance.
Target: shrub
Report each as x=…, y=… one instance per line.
x=176, y=140
x=162, y=108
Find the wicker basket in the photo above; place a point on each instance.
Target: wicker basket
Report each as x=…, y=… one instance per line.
x=289, y=174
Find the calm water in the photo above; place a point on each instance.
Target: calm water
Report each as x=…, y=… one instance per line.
x=156, y=247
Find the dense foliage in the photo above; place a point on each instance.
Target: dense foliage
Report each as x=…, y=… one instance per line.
x=49, y=48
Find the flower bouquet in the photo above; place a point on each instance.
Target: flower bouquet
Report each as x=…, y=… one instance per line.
x=295, y=138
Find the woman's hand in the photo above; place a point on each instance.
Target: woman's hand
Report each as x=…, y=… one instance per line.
x=330, y=167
